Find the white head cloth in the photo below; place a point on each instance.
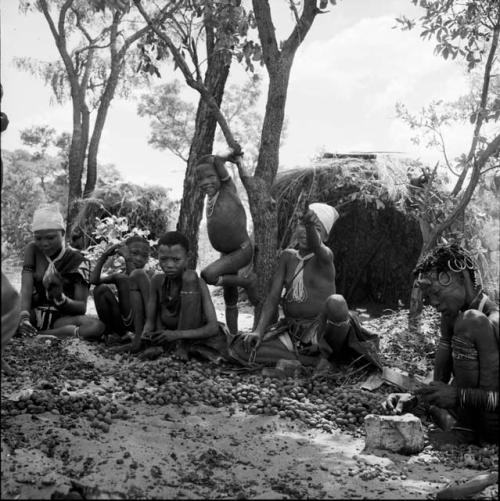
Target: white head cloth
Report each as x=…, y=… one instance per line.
x=48, y=217
x=326, y=214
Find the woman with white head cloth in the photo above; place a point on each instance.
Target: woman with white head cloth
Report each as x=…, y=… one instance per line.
x=55, y=283
x=317, y=327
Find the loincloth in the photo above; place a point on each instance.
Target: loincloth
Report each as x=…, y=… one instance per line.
x=45, y=317
x=299, y=336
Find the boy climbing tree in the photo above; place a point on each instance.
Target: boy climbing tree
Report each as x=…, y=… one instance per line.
x=127, y=312
x=227, y=232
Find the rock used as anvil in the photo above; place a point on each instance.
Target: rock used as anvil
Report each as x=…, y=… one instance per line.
x=403, y=434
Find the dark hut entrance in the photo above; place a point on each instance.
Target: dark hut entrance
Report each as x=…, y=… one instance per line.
x=375, y=243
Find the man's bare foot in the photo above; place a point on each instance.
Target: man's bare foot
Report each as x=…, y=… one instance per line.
x=181, y=352
x=122, y=348
x=323, y=368
x=150, y=353
x=7, y=369
x=251, y=288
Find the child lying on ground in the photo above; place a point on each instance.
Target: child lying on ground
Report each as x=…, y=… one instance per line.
x=227, y=231
x=127, y=312
x=180, y=311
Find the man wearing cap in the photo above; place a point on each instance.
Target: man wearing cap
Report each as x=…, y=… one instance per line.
x=55, y=283
x=317, y=325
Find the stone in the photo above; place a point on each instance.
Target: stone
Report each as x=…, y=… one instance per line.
x=403, y=434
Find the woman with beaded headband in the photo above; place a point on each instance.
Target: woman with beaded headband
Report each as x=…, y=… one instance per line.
x=468, y=351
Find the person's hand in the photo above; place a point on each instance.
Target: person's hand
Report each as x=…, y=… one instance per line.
x=439, y=394
x=25, y=327
x=165, y=336
x=123, y=251
x=55, y=291
x=251, y=341
x=399, y=403
x=310, y=218
x=112, y=249
x=235, y=156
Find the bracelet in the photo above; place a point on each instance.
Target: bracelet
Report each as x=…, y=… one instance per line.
x=24, y=315
x=61, y=301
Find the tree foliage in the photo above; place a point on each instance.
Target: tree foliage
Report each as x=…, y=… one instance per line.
x=93, y=40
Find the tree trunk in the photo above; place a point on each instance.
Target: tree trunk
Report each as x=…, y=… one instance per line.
x=75, y=164
x=100, y=120
x=190, y=214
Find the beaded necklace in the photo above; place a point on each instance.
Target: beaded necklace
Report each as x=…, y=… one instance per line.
x=211, y=201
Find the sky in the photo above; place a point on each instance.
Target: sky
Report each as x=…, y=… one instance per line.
x=348, y=74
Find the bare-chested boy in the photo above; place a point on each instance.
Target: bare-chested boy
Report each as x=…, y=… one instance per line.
x=227, y=231
x=180, y=311
x=317, y=326
x=127, y=312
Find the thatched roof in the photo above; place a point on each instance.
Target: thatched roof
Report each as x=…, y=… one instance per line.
x=375, y=242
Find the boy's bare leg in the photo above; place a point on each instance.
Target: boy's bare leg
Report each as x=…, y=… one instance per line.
x=231, y=301
x=137, y=283
x=88, y=328
x=249, y=283
x=109, y=309
x=229, y=264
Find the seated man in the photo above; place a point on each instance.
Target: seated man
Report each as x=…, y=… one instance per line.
x=127, y=313
x=55, y=283
x=468, y=348
x=227, y=231
x=10, y=317
x=317, y=326
x=180, y=312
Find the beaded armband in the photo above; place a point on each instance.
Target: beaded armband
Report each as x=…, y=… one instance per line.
x=475, y=398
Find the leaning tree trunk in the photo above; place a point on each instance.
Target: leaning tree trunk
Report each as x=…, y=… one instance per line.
x=190, y=214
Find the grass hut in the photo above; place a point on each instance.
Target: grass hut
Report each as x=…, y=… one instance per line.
x=375, y=242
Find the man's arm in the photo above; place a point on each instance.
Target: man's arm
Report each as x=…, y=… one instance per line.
x=443, y=362
x=95, y=275
x=321, y=251
x=152, y=304
x=211, y=326
x=77, y=305
x=272, y=300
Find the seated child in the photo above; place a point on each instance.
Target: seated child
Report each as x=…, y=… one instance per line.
x=227, y=232
x=55, y=283
x=180, y=311
x=127, y=312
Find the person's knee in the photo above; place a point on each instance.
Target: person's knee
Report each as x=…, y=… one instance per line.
x=190, y=281
x=100, y=291
x=336, y=308
x=209, y=275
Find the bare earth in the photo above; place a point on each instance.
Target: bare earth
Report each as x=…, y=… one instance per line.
x=198, y=451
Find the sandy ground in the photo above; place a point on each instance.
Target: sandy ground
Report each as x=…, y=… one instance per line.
x=199, y=451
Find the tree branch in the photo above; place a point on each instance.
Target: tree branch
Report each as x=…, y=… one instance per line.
x=302, y=27
x=267, y=32
x=193, y=83
x=482, y=106
x=491, y=150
